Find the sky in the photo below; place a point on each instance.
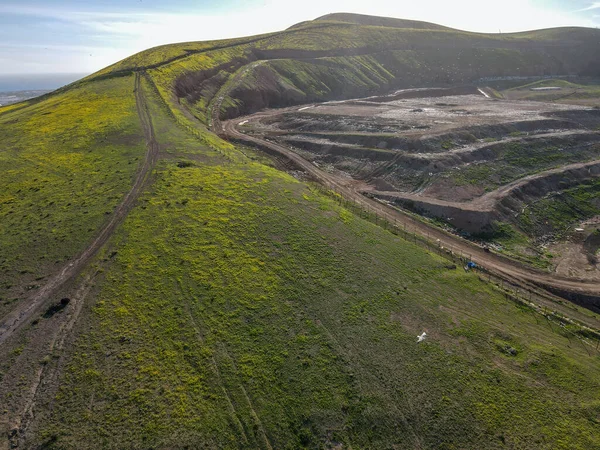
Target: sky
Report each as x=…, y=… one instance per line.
x=83, y=36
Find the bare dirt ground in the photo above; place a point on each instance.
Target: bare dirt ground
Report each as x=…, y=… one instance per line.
x=436, y=115
x=33, y=368
x=489, y=260
x=573, y=258
x=422, y=146
x=488, y=202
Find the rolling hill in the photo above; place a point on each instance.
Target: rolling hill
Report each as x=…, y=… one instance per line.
x=161, y=287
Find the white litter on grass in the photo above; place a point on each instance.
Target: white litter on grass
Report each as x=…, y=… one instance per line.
x=484, y=93
x=422, y=337
x=547, y=88
x=243, y=123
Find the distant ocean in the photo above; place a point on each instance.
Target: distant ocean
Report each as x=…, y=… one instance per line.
x=38, y=81
x=16, y=88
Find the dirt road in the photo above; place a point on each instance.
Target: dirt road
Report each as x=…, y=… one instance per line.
x=488, y=201
x=26, y=309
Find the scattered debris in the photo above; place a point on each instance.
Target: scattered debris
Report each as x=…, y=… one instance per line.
x=482, y=92
x=546, y=88
x=422, y=337
x=470, y=265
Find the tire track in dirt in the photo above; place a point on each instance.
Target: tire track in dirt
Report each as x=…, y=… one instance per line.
x=16, y=318
x=217, y=371
x=214, y=366
x=47, y=373
x=253, y=413
x=351, y=360
x=503, y=265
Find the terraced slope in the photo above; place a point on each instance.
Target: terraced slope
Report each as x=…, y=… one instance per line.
x=481, y=165
x=232, y=305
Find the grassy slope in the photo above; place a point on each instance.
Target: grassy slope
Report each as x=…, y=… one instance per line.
x=243, y=306
x=66, y=163
x=408, y=57
x=586, y=93
x=361, y=19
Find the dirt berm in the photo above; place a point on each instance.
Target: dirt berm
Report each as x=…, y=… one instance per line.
x=503, y=204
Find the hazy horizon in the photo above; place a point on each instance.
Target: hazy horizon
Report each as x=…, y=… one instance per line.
x=37, y=81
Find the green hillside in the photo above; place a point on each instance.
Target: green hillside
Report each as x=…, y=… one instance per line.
x=227, y=304
x=583, y=92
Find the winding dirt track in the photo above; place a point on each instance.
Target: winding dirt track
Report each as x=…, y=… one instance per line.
x=488, y=201
x=27, y=308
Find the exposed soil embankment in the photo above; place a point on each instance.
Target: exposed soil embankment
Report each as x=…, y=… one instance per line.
x=504, y=204
x=295, y=76
x=489, y=260
x=438, y=159
x=526, y=193
x=204, y=84
x=588, y=118
x=425, y=92
x=351, y=73
x=266, y=89
x=462, y=216
x=383, y=134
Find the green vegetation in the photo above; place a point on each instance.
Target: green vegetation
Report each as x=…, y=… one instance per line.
x=554, y=215
x=341, y=59
x=403, y=61
x=157, y=56
x=586, y=92
x=548, y=83
x=516, y=160
x=514, y=243
x=558, y=213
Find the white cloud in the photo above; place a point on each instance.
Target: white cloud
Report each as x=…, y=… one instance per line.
x=146, y=30
x=595, y=5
